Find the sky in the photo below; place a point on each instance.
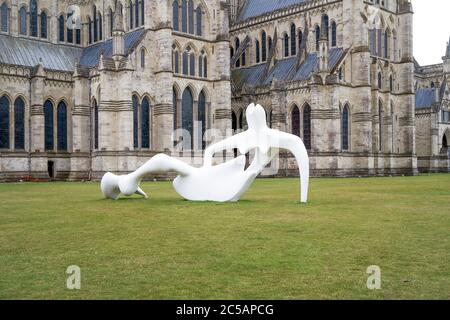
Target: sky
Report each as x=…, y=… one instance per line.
x=431, y=30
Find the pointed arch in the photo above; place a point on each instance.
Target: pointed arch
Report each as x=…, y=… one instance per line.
x=19, y=124
x=33, y=18
x=4, y=17
x=293, y=39
x=44, y=24
x=257, y=51
x=333, y=34
x=380, y=125
x=176, y=15
x=135, y=105
x=96, y=122
x=4, y=122
x=61, y=27
x=307, y=126
x=286, y=45
x=199, y=18
x=237, y=44
x=175, y=95
x=201, y=117
x=187, y=106
x=317, y=37
x=62, y=126
x=295, y=120
x=263, y=46
x=345, y=125
x=184, y=16
x=23, y=21
x=48, y=126
x=145, y=123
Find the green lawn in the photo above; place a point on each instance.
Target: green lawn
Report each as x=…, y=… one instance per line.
x=267, y=246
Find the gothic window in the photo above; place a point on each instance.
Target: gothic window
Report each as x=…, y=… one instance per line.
x=263, y=46
x=317, y=37
x=174, y=104
x=48, y=125
x=95, y=18
x=202, y=116
x=145, y=123
x=200, y=66
x=175, y=16
x=391, y=83
x=300, y=39
x=184, y=16
x=333, y=34
x=33, y=18
x=345, y=128
x=286, y=45
x=95, y=125
x=444, y=142
x=205, y=66
x=373, y=42
x=243, y=58
x=175, y=60
x=185, y=63
x=131, y=15
x=142, y=12
x=4, y=123
x=380, y=80
x=325, y=24
x=192, y=64
x=191, y=16
x=293, y=40
x=186, y=115
x=135, y=103
x=100, y=27
x=307, y=126
x=136, y=15
x=4, y=17
x=69, y=28
x=61, y=25
x=23, y=21
x=295, y=121
x=90, y=30
x=379, y=42
x=142, y=58
x=78, y=36
x=111, y=22
x=237, y=44
x=380, y=125
x=199, y=21
x=43, y=25
x=270, y=43
x=257, y=52
x=386, y=44
x=19, y=124
x=62, y=126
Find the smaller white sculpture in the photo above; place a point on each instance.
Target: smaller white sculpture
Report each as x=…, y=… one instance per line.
x=223, y=182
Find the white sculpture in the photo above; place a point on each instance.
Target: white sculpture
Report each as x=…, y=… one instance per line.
x=223, y=182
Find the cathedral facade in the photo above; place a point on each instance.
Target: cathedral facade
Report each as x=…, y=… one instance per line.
x=91, y=86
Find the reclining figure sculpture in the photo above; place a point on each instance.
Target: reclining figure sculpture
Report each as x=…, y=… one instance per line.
x=223, y=182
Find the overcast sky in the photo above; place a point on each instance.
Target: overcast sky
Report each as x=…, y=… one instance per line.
x=431, y=30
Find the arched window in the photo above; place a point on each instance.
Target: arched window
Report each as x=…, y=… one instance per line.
x=4, y=123
x=286, y=45
x=43, y=25
x=136, y=16
x=95, y=125
x=135, y=103
x=48, y=125
x=175, y=59
x=295, y=121
x=432, y=84
x=131, y=16
x=185, y=63
x=184, y=16
x=145, y=123
x=391, y=83
x=317, y=37
x=199, y=20
x=90, y=29
x=23, y=21
x=257, y=51
x=205, y=66
x=175, y=16
x=307, y=126
x=345, y=128
x=300, y=39
x=293, y=40
x=175, y=111
x=386, y=44
x=78, y=35
x=191, y=16
x=202, y=65
x=19, y=124
x=33, y=18
x=69, y=28
x=61, y=24
x=333, y=34
x=192, y=64
x=186, y=115
x=270, y=43
x=380, y=125
x=95, y=18
x=100, y=27
x=142, y=12
x=142, y=58
x=4, y=17
x=237, y=43
x=62, y=126
x=444, y=142
x=380, y=80
x=325, y=24
x=111, y=22
x=201, y=118
x=263, y=46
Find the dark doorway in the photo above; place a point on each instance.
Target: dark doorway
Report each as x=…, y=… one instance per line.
x=51, y=169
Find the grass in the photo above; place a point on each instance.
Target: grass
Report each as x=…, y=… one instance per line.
x=267, y=246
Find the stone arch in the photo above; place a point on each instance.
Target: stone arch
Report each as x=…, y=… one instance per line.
x=194, y=90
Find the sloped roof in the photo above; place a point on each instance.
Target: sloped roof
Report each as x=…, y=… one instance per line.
x=283, y=70
x=91, y=54
x=28, y=52
x=425, y=98
x=254, y=8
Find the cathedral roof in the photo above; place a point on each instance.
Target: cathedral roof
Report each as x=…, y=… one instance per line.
x=254, y=8
x=283, y=70
x=28, y=53
x=425, y=98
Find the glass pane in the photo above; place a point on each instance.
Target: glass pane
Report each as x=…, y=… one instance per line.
x=48, y=123
x=62, y=127
x=4, y=123
x=19, y=124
